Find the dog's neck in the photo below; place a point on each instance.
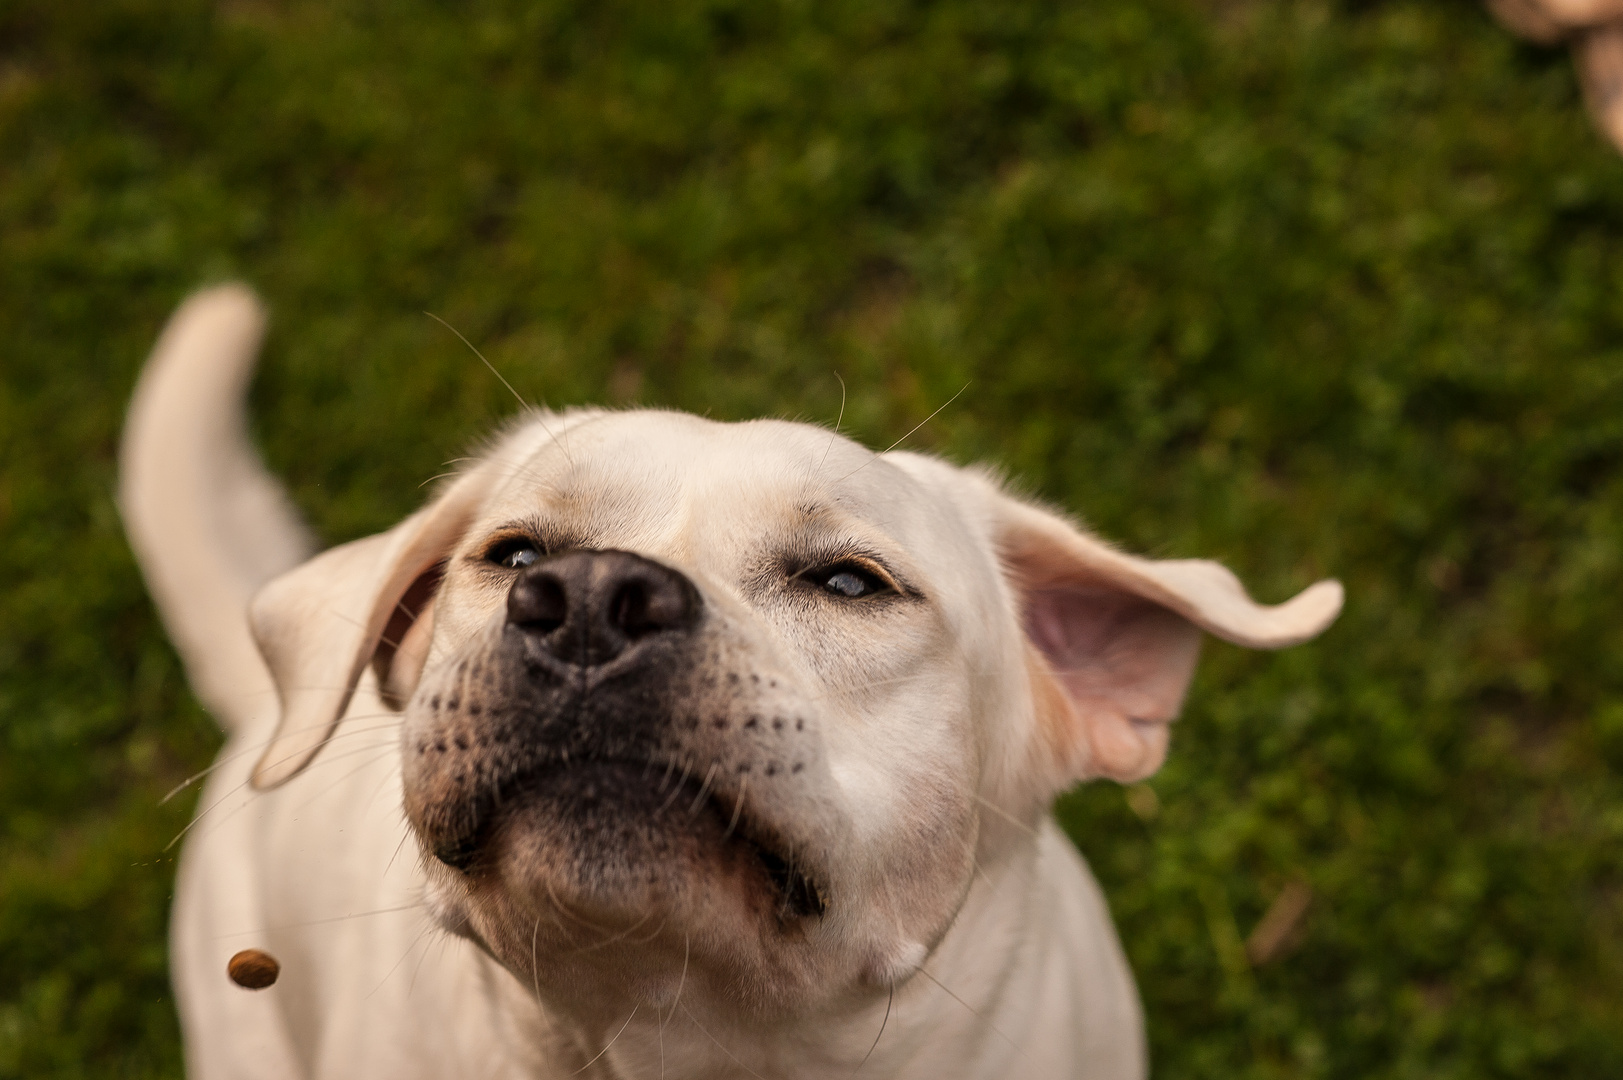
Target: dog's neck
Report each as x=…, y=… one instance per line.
x=955, y=1008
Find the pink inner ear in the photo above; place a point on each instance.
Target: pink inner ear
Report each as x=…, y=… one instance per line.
x=1123, y=663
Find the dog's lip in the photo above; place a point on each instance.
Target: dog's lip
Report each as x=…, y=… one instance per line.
x=801, y=892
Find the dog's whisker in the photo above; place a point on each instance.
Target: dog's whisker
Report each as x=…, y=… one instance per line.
x=1005, y=815
x=979, y=869
x=652, y=935
x=383, y=781
x=564, y=909
x=904, y=438
x=687, y=941
x=380, y=753
x=245, y=751
x=200, y=815
x=719, y=1045
x=362, y=766
x=681, y=981
x=623, y=935
x=738, y=807
x=675, y=791
x=352, y=621
x=569, y=933
x=323, y=759
x=612, y=1041
x=537, y=413
x=978, y=1014
x=516, y=469
x=519, y=398
x=520, y=468
x=379, y=748
x=535, y=964
x=421, y=934
x=244, y=784
x=704, y=789
x=836, y=432
x=888, y=1003
x=443, y=937
x=398, y=848
x=418, y=906
x=848, y=690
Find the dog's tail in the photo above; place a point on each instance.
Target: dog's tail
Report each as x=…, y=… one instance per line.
x=208, y=524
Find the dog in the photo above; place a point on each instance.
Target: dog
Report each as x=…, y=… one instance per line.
x=652, y=747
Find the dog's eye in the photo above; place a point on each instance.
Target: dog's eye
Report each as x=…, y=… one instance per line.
x=849, y=580
x=514, y=554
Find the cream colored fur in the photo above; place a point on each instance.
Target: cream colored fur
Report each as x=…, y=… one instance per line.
x=963, y=936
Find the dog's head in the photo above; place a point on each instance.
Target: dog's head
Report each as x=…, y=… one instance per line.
x=735, y=706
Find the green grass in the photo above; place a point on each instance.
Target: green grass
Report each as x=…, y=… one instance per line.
x=1314, y=290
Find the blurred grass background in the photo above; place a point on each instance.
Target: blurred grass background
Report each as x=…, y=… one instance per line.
x=1312, y=288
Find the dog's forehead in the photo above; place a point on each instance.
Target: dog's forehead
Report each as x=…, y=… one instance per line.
x=655, y=481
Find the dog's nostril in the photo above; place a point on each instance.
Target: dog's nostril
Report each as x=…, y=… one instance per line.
x=641, y=607
x=538, y=602
x=629, y=609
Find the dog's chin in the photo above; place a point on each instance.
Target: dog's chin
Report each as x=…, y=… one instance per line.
x=614, y=841
x=602, y=867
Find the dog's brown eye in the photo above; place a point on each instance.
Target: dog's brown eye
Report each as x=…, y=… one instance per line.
x=514, y=554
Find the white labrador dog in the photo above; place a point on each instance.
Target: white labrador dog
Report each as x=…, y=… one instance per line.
x=653, y=747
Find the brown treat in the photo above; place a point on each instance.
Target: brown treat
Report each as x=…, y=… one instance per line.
x=253, y=969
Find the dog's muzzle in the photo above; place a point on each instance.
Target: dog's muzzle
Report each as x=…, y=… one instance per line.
x=594, y=709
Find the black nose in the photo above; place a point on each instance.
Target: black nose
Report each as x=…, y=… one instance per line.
x=588, y=607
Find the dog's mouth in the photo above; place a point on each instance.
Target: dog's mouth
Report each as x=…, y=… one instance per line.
x=644, y=810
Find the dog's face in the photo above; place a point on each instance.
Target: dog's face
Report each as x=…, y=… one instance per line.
x=725, y=707
x=688, y=691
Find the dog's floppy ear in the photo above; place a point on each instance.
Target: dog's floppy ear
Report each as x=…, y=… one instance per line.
x=366, y=602
x=1113, y=639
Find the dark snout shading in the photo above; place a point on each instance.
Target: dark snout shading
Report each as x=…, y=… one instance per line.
x=587, y=608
